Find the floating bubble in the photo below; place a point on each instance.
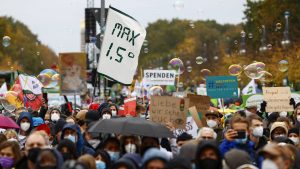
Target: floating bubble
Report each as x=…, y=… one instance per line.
x=37, y=53
x=189, y=69
x=180, y=84
x=204, y=59
x=188, y=62
x=253, y=71
x=235, y=70
x=243, y=34
x=199, y=60
x=267, y=77
x=54, y=81
x=235, y=42
x=145, y=42
x=204, y=73
x=146, y=50
x=278, y=26
x=260, y=65
x=177, y=64
x=156, y=91
x=269, y=46
x=179, y=5
x=45, y=79
x=216, y=57
x=250, y=35
x=283, y=65
x=6, y=41
x=49, y=72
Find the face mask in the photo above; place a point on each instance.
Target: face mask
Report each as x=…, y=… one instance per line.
x=258, y=131
x=106, y=116
x=55, y=117
x=208, y=164
x=142, y=116
x=211, y=123
x=114, y=113
x=130, y=148
x=283, y=114
x=100, y=164
x=298, y=118
x=268, y=164
x=25, y=126
x=295, y=140
x=248, y=113
x=12, y=139
x=280, y=135
x=114, y=156
x=33, y=154
x=72, y=138
x=6, y=162
x=94, y=142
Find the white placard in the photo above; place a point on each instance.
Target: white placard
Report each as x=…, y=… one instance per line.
x=160, y=77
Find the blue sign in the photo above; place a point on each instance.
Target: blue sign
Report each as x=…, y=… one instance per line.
x=222, y=86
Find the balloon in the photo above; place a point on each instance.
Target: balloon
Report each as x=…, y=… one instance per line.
x=254, y=70
x=283, y=66
x=177, y=65
x=156, y=91
x=235, y=70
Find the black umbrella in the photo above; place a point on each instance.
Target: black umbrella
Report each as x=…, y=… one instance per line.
x=131, y=126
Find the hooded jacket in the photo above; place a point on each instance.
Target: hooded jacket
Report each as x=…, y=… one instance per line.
x=58, y=156
x=249, y=147
x=28, y=116
x=208, y=144
x=80, y=147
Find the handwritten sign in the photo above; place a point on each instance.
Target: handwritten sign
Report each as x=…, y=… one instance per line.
x=202, y=104
x=164, y=109
x=277, y=98
x=222, y=86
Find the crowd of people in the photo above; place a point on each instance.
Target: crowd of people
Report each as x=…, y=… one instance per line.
x=53, y=138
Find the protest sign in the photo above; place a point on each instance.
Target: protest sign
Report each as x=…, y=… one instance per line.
x=121, y=45
x=164, y=109
x=222, y=86
x=193, y=111
x=179, y=94
x=277, y=98
x=72, y=68
x=202, y=104
x=296, y=97
x=190, y=128
x=160, y=77
x=130, y=107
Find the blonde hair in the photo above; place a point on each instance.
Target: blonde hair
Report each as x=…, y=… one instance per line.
x=10, y=132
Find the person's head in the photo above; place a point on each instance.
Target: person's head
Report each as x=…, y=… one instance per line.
x=140, y=110
x=112, y=146
x=130, y=144
x=106, y=113
x=149, y=142
x=206, y=133
x=113, y=109
x=293, y=135
x=36, y=139
x=275, y=157
x=11, y=135
x=296, y=114
x=182, y=138
x=237, y=159
x=208, y=155
x=55, y=114
x=255, y=125
x=102, y=159
x=2, y=138
x=154, y=159
x=213, y=118
x=70, y=131
x=188, y=150
x=25, y=122
x=67, y=149
x=278, y=129
x=250, y=110
x=70, y=119
x=9, y=153
x=286, y=120
x=49, y=158
x=87, y=160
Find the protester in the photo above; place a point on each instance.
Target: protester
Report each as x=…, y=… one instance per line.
x=293, y=135
x=208, y=155
x=67, y=148
x=206, y=133
x=154, y=158
x=213, y=120
x=25, y=123
x=278, y=129
x=256, y=134
x=9, y=154
x=130, y=144
x=88, y=161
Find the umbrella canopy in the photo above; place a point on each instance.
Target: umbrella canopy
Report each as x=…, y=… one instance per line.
x=7, y=123
x=131, y=126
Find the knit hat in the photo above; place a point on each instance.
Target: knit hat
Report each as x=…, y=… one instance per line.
x=279, y=124
x=293, y=130
x=184, y=137
x=154, y=153
x=37, y=121
x=235, y=158
x=43, y=127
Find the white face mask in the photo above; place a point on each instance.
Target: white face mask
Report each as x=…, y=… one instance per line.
x=13, y=139
x=295, y=140
x=298, y=118
x=55, y=117
x=106, y=116
x=283, y=114
x=114, y=113
x=268, y=164
x=258, y=131
x=130, y=148
x=211, y=123
x=25, y=126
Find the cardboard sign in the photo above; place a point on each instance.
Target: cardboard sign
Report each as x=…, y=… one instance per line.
x=277, y=98
x=130, y=107
x=202, y=104
x=190, y=128
x=164, y=109
x=193, y=111
x=160, y=77
x=222, y=86
x=120, y=50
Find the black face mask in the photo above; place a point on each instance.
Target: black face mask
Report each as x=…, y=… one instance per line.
x=208, y=164
x=33, y=154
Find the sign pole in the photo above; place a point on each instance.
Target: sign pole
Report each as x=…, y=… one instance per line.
x=178, y=78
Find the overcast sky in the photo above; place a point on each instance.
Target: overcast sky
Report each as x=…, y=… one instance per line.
x=57, y=22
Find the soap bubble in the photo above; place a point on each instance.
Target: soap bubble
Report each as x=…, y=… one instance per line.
x=243, y=34
x=6, y=41
x=267, y=77
x=216, y=57
x=189, y=69
x=235, y=70
x=177, y=64
x=283, y=65
x=45, y=79
x=250, y=35
x=156, y=91
x=179, y=5
x=199, y=60
x=254, y=71
x=204, y=73
x=180, y=84
x=278, y=26
x=269, y=46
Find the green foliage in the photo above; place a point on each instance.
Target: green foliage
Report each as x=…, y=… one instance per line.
x=26, y=52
